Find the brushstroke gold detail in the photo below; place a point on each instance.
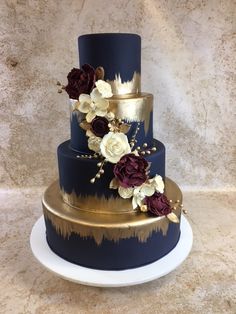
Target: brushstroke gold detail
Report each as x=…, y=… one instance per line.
x=130, y=87
x=67, y=219
x=97, y=204
x=133, y=108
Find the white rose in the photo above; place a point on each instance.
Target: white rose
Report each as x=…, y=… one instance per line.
x=104, y=88
x=94, y=143
x=114, y=146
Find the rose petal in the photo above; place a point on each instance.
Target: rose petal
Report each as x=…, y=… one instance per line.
x=134, y=203
x=137, y=190
x=95, y=95
x=125, y=192
x=85, y=98
x=114, y=184
x=101, y=113
x=102, y=104
x=147, y=189
x=158, y=183
x=84, y=103
x=139, y=201
x=90, y=116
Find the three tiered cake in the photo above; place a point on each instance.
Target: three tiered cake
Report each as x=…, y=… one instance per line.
x=112, y=208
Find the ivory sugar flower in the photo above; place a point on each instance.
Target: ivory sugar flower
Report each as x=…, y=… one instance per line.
x=140, y=193
x=158, y=183
x=114, y=146
x=96, y=103
x=131, y=171
x=104, y=89
x=94, y=143
x=93, y=106
x=158, y=204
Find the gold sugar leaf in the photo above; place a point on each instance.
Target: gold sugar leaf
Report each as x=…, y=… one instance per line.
x=114, y=184
x=84, y=125
x=99, y=72
x=172, y=217
x=124, y=128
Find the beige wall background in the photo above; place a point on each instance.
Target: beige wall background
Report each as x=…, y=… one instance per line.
x=188, y=63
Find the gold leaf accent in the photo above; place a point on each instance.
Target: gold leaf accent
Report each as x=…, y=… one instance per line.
x=99, y=72
x=114, y=184
x=137, y=108
x=118, y=222
x=172, y=217
x=129, y=87
x=85, y=125
x=124, y=128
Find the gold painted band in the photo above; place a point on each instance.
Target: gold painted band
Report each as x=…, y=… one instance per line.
x=67, y=219
x=132, y=108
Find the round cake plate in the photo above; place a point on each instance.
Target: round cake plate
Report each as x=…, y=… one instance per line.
x=109, y=278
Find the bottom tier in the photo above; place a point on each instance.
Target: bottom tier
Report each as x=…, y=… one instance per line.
x=109, y=241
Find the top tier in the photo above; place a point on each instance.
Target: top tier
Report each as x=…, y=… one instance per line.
x=120, y=56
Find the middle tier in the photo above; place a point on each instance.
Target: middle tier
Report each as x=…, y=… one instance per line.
x=76, y=171
x=135, y=109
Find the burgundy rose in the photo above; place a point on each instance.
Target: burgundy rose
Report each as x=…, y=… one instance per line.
x=80, y=81
x=100, y=126
x=131, y=170
x=158, y=204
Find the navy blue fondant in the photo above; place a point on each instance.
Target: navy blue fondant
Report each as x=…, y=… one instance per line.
x=110, y=255
x=142, y=136
x=117, y=53
x=75, y=173
x=79, y=140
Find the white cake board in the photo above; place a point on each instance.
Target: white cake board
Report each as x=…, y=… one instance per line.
x=109, y=278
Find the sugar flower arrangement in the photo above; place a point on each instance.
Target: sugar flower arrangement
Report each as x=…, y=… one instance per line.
x=107, y=138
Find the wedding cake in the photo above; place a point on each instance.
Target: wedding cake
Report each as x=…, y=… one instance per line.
x=112, y=208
